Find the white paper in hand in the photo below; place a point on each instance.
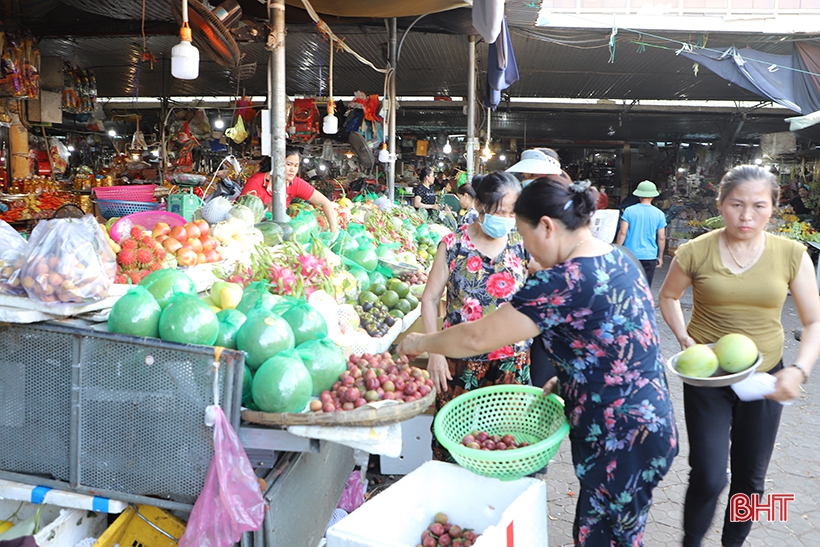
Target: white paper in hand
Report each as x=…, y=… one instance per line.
x=755, y=387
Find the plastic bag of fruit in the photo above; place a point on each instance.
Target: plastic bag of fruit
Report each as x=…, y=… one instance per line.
x=12, y=254
x=68, y=261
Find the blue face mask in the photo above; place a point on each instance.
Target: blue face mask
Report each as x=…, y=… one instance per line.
x=495, y=226
x=526, y=182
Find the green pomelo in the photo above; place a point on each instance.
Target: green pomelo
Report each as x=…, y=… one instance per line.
x=698, y=361
x=136, y=313
x=163, y=284
x=282, y=384
x=229, y=322
x=263, y=335
x=736, y=352
x=324, y=361
x=188, y=320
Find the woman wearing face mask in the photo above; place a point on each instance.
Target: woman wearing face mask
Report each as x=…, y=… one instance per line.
x=597, y=318
x=481, y=265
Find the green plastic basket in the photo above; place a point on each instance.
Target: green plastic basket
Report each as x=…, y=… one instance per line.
x=521, y=411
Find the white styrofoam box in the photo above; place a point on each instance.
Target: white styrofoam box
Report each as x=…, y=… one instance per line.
x=58, y=527
x=415, y=447
x=505, y=513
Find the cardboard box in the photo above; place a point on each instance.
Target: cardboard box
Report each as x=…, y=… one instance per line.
x=47, y=109
x=505, y=513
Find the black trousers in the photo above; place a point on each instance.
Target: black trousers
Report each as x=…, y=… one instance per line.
x=649, y=268
x=719, y=425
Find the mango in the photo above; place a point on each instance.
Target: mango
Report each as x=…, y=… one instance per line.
x=5, y=525
x=698, y=361
x=230, y=296
x=736, y=352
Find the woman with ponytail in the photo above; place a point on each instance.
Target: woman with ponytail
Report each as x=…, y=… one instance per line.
x=596, y=318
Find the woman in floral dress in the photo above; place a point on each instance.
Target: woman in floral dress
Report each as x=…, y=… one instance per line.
x=481, y=265
x=597, y=318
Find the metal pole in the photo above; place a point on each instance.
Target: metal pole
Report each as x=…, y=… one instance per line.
x=391, y=139
x=277, y=97
x=471, y=110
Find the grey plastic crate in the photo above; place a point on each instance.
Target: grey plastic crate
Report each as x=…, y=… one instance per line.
x=109, y=413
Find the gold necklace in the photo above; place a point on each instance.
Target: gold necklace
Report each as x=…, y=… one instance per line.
x=752, y=261
x=576, y=246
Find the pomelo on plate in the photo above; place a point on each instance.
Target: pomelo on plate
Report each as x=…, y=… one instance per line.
x=736, y=352
x=698, y=361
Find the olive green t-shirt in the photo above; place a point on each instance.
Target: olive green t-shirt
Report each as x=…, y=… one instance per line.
x=750, y=302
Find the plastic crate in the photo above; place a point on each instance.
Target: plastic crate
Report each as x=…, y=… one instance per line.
x=137, y=192
x=145, y=526
x=116, y=208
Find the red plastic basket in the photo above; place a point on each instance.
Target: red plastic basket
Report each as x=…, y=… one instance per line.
x=137, y=192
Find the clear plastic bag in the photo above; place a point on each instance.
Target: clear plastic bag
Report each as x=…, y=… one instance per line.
x=230, y=502
x=12, y=255
x=68, y=261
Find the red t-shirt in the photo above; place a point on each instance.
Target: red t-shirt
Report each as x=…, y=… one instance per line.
x=299, y=188
x=603, y=201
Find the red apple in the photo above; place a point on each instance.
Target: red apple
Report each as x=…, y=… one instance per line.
x=200, y=258
x=160, y=229
x=192, y=230
x=186, y=257
x=204, y=227
x=195, y=244
x=178, y=233
x=171, y=245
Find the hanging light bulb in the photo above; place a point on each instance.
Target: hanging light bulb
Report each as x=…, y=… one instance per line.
x=384, y=155
x=70, y=148
x=184, y=56
x=447, y=148
x=330, y=123
x=219, y=123
x=112, y=133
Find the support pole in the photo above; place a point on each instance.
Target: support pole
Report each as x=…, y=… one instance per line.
x=391, y=139
x=471, y=110
x=277, y=99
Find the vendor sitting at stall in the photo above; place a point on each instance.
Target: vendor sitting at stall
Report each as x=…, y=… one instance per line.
x=261, y=185
x=424, y=196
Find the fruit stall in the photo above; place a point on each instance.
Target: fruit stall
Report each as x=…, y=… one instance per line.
x=120, y=331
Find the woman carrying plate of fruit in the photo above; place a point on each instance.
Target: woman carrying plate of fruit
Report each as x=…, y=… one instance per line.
x=740, y=276
x=596, y=319
x=481, y=265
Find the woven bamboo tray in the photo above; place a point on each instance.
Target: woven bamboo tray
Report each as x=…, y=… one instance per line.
x=364, y=416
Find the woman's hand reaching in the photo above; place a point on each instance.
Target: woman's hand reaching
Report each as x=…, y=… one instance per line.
x=551, y=386
x=439, y=372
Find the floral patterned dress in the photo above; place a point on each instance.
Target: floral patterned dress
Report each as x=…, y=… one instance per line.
x=597, y=317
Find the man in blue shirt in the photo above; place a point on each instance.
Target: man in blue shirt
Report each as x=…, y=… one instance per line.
x=643, y=230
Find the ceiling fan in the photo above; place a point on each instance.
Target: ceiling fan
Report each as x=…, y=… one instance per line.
x=210, y=29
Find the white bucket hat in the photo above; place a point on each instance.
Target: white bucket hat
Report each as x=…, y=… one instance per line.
x=537, y=163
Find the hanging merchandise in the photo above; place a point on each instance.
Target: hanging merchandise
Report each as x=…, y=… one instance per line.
x=237, y=133
x=79, y=89
x=304, y=120
x=244, y=108
x=19, y=68
x=363, y=116
x=200, y=126
x=59, y=155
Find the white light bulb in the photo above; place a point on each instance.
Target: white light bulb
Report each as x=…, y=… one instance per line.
x=441, y=164
x=384, y=155
x=185, y=61
x=306, y=161
x=155, y=153
x=219, y=124
x=447, y=148
x=502, y=157
x=322, y=167
x=330, y=125
x=112, y=133
x=70, y=148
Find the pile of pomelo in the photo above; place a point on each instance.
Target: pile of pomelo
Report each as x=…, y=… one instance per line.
x=733, y=353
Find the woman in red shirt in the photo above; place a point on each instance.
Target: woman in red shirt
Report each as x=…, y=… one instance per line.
x=261, y=185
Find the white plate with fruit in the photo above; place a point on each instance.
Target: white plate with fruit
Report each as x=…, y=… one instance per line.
x=733, y=358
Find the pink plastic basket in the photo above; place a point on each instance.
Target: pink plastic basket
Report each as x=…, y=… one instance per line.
x=146, y=219
x=137, y=192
